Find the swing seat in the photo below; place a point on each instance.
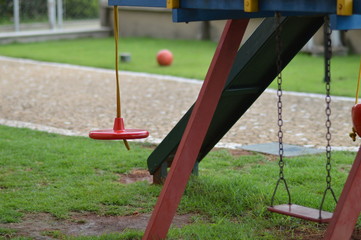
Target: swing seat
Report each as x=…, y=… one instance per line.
x=118, y=132
x=306, y=213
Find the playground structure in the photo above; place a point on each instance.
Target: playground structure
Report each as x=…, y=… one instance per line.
x=235, y=79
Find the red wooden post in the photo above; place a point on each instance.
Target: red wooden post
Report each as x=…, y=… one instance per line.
x=196, y=130
x=349, y=205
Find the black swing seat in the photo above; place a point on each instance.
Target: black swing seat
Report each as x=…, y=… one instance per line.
x=306, y=213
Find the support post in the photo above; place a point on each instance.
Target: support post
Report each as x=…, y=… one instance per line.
x=161, y=174
x=349, y=205
x=196, y=130
x=52, y=14
x=60, y=13
x=16, y=15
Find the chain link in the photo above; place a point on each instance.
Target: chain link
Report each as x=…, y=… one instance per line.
x=279, y=93
x=328, y=55
x=279, y=65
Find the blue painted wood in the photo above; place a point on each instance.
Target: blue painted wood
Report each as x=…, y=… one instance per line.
x=346, y=22
x=138, y=3
x=357, y=6
x=191, y=15
x=298, y=6
x=319, y=6
x=213, y=4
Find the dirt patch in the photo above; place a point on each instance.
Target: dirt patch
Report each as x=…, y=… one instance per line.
x=239, y=152
x=308, y=234
x=136, y=175
x=36, y=225
x=271, y=158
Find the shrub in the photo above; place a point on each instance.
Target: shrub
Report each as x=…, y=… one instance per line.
x=37, y=10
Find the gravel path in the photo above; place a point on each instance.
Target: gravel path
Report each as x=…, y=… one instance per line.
x=73, y=100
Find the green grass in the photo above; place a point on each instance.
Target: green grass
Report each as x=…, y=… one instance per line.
x=191, y=60
x=54, y=174
x=42, y=172
x=306, y=73
x=48, y=173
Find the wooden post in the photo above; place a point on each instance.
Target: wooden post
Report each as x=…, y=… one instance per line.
x=196, y=130
x=349, y=205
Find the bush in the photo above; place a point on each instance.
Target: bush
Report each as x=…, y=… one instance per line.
x=81, y=9
x=37, y=10
x=6, y=11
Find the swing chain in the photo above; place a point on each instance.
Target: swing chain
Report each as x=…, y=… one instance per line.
x=281, y=163
x=328, y=55
x=279, y=94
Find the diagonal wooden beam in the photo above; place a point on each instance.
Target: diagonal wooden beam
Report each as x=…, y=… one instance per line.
x=196, y=130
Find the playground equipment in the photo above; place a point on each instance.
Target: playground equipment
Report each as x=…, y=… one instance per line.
x=119, y=132
x=356, y=112
x=290, y=209
x=235, y=79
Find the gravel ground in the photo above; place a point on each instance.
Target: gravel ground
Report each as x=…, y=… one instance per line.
x=73, y=100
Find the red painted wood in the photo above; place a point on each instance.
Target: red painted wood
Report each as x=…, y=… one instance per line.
x=196, y=130
x=306, y=213
x=349, y=205
x=356, y=118
x=118, y=132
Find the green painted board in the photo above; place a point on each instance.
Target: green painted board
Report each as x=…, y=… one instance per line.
x=252, y=72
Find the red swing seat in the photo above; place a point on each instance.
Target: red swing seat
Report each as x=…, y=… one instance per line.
x=306, y=213
x=118, y=132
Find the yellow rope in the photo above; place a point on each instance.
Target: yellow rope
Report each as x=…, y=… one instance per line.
x=358, y=84
x=116, y=38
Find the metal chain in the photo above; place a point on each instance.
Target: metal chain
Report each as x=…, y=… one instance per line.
x=279, y=94
x=281, y=163
x=328, y=55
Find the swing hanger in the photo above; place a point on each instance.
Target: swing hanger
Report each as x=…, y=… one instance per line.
x=119, y=132
x=289, y=209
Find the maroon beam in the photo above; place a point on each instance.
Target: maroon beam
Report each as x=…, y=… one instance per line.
x=196, y=130
x=349, y=205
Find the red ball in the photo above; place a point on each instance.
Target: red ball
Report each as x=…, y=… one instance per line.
x=164, y=57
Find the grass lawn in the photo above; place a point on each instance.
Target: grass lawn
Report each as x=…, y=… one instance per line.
x=191, y=60
x=42, y=173
x=59, y=175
